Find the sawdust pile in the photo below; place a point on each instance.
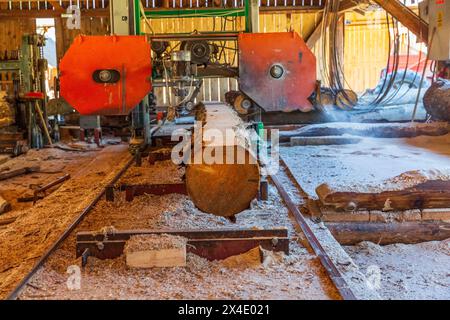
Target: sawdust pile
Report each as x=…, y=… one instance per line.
x=160, y=172
x=249, y=259
x=154, y=242
x=406, y=271
x=23, y=242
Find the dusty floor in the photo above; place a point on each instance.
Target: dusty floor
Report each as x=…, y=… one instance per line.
x=36, y=228
x=297, y=276
x=369, y=165
x=400, y=271
x=405, y=269
x=54, y=163
x=419, y=271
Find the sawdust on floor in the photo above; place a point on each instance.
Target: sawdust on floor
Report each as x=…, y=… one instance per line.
x=297, y=276
x=25, y=240
x=406, y=271
x=373, y=165
x=154, y=242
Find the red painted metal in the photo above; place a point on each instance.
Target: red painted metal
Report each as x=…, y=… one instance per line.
x=129, y=55
x=212, y=244
x=258, y=52
x=34, y=95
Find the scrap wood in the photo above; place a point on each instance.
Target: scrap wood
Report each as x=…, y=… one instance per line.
x=5, y=206
x=18, y=172
x=38, y=193
x=6, y=221
x=64, y=148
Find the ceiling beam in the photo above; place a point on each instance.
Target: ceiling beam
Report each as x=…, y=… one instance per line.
x=407, y=17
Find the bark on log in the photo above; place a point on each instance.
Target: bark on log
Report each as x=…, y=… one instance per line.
x=226, y=186
x=352, y=233
x=380, y=130
x=437, y=100
x=429, y=194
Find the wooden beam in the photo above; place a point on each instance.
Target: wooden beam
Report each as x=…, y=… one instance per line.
x=30, y=14
x=345, y=5
x=315, y=35
x=406, y=17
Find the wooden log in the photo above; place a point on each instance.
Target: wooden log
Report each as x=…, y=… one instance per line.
x=352, y=233
x=379, y=130
x=18, y=172
x=437, y=100
x=324, y=141
x=226, y=179
x=429, y=194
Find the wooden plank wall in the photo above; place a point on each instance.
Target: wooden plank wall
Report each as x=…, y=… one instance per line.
x=89, y=26
x=11, y=31
x=366, y=49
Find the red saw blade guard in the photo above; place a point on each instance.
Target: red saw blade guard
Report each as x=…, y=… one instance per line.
x=277, y=70
x=106, y=75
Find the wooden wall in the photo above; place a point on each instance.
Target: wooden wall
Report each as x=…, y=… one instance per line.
x=11, y=31
x=89, y=26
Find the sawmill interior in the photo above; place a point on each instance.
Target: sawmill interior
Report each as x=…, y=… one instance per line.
x=225, y=150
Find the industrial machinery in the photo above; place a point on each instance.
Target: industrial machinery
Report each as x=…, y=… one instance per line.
x=277, y=71
x=22, y=75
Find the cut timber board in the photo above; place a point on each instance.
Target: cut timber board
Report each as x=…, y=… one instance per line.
x=163, y=258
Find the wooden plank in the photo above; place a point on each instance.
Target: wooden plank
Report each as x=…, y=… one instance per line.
x=148, y=251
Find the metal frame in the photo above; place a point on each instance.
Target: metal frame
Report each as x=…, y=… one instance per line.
x=191, y=13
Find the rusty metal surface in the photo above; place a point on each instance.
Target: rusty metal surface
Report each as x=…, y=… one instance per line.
x=331, y=269
x=127, y=55
x=209, y=244
x=259, y=52
x=157, y=189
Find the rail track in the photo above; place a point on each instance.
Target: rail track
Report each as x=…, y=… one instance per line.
x=280, y=183
x=330, y=267
x=18, y=289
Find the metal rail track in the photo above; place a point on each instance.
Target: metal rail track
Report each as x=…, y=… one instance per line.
x=18, y=289
x=331, y=269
